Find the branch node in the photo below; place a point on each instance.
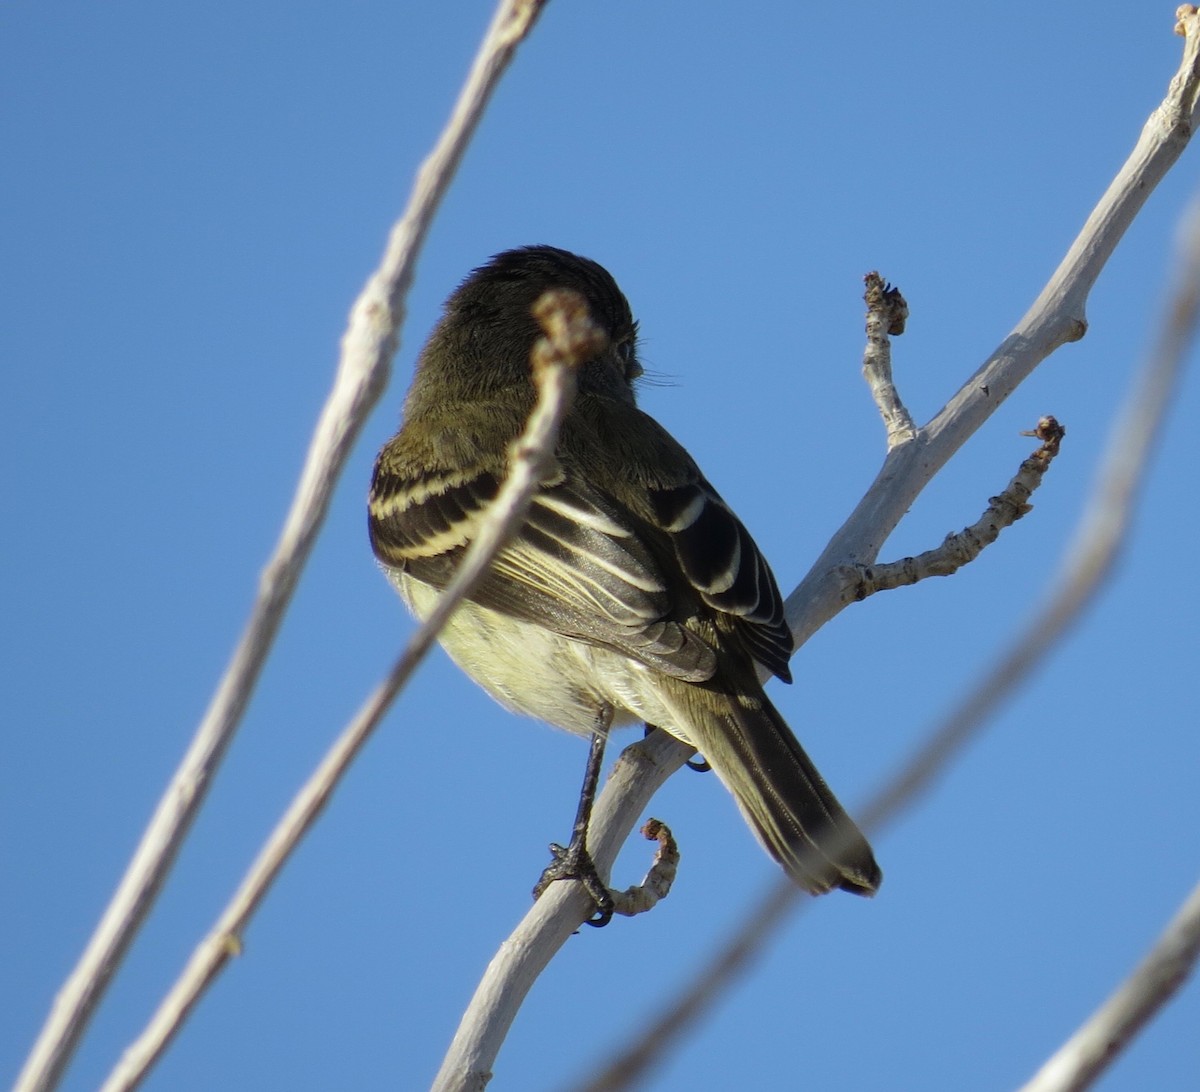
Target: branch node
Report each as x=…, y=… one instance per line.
x=232, y=945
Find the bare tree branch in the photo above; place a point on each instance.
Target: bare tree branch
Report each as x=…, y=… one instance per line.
x=887, y=313
x=1097, y=542
x=1093, y=1048
x=1056, y=317
x=657, y=883
x=571, y=338
x=961, y=549
x=367, y=350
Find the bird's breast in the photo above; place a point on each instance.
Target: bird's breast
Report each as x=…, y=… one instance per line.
x=535, y=671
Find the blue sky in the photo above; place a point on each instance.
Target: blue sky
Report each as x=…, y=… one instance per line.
x=193, y=198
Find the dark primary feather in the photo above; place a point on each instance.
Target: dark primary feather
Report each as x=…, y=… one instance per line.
x=723, y=563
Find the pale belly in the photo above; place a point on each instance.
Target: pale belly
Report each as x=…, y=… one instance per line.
x=541, y=674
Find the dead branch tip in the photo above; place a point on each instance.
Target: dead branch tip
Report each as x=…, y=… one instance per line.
x=885, y=299
x=1050, y=432
x=571, y=335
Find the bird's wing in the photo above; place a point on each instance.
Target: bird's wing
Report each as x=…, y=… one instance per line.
x=657, y=479
x=723, y=563
x=577, y=566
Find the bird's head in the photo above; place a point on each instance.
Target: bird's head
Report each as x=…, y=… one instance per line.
x=485, y=337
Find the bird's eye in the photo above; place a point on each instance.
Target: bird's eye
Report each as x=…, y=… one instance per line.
x=628, y=361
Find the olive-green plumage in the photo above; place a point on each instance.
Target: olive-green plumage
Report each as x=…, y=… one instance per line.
x=631, y=584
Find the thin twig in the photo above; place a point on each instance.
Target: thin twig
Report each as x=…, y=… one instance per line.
x=367, y=350
x=887, y=314
x=960, y=549
x=657, y=883
x=1089, y=559
x=1113, y=1026
x=571, y=338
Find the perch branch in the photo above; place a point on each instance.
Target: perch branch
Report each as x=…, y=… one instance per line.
x=1056, y=317
x=1087, y=562
x=367, y=349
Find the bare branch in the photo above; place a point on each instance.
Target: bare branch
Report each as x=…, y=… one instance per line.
x=571, y=338
x=960, y=549
x=1092, y=1049
x=657, y=884
x=887, y=313
x=1087, y=562
x=367, y=350
x=1056, y=317
x=554, y=917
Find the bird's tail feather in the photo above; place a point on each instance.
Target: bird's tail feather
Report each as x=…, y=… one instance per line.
x=786, y=802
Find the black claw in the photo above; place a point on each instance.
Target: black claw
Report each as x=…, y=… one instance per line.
x=602, y=918
x=573, y=862
x=699, y=764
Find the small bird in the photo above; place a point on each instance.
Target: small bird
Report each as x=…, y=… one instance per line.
x=632, y=592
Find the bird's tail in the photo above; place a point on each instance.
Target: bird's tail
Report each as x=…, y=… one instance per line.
x=779, y=791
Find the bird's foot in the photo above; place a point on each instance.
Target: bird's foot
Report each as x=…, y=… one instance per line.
x=573, y=862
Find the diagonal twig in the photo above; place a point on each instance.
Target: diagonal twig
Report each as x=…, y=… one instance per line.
x=367, y=350
x=571, y=337
x=1091, y=1050
x=963, y=547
